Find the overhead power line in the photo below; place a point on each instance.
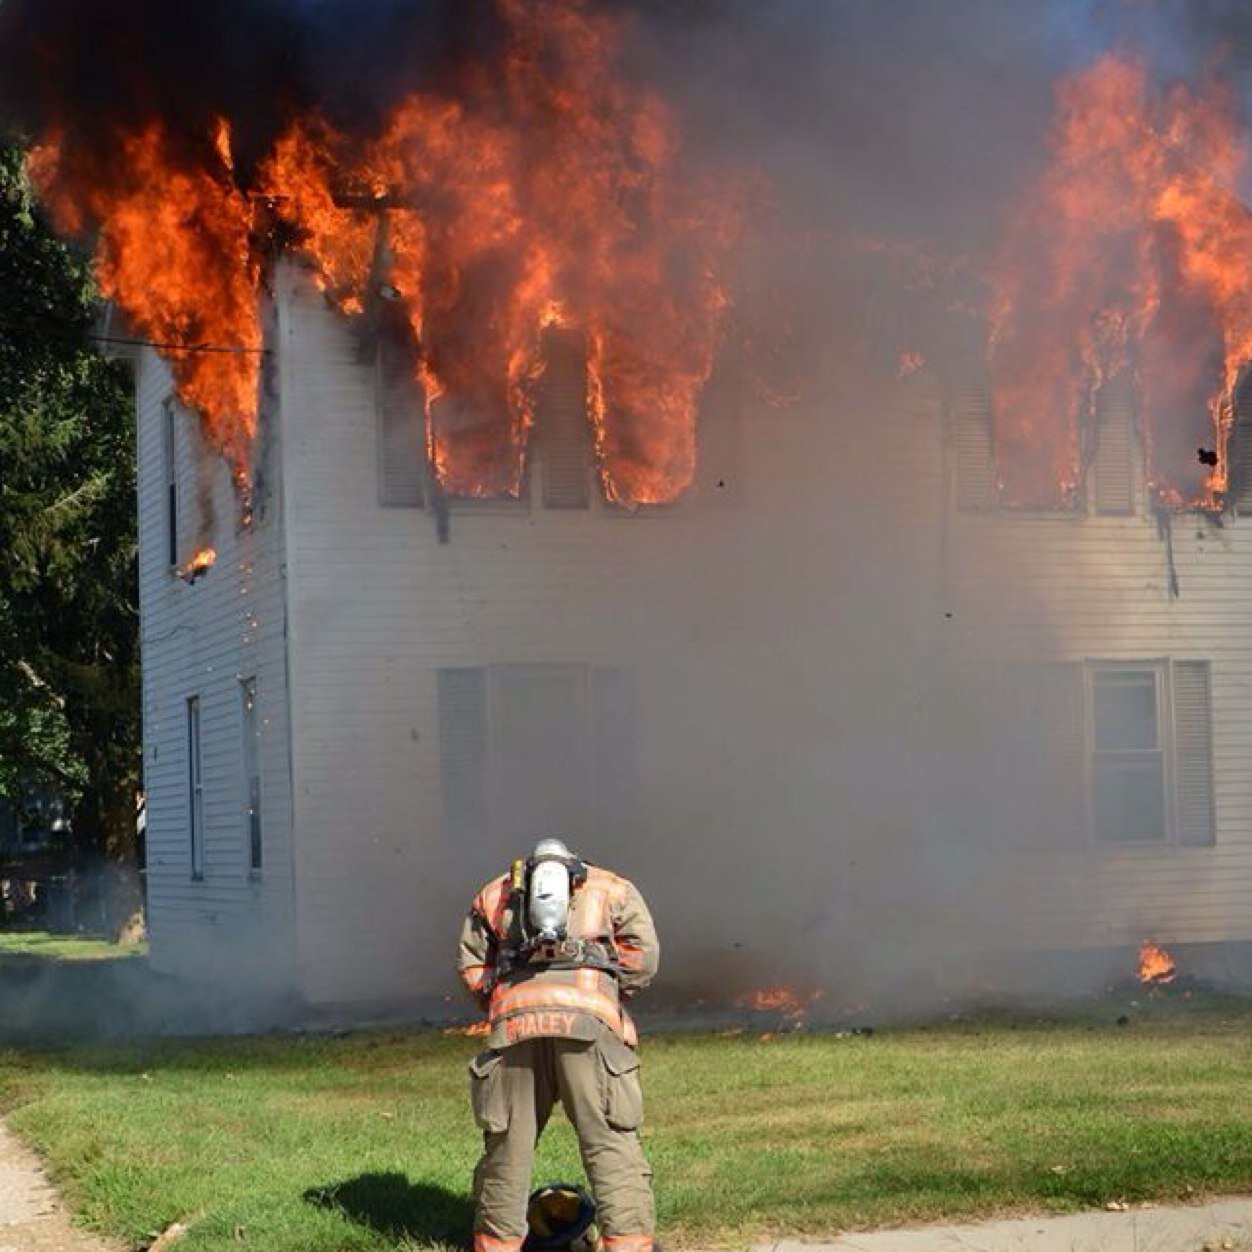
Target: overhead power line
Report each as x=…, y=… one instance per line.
x=65, y=332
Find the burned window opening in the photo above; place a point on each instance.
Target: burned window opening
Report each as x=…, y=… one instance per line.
x=169, y=458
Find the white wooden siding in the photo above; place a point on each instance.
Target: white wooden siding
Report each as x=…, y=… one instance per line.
x=1069, y=588
x=808, y=647
x=741, y=626
x=202, y=640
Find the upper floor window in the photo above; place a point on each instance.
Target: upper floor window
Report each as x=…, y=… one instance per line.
x=1109, y=453
x=169, y=477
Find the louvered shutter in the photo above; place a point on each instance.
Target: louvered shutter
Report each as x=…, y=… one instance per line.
x=1113, y=464
x=1193, y=753
x=973, y=466
x=463, y=753
x=1039, y=769
x=401, y=424
x=615, y=727
x=1239, y=452
x=563, y=432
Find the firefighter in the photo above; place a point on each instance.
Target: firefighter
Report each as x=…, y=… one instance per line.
x=550, y=951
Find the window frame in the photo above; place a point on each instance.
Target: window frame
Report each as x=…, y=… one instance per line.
x=253, y=782
x=169, y=479
x=1166, y=750
x=195, y=788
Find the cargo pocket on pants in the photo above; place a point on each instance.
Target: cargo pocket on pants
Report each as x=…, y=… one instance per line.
x=488, y=1097
x=623, y=1094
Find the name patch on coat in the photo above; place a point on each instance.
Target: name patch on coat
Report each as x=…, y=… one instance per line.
x=544, y=1022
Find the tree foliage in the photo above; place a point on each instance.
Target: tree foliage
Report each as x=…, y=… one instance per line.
x=69, y=648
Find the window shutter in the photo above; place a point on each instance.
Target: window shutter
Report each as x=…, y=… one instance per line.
x=615, y=726
x=463, y=753
x=1239, y=452
x=563, y=432
x=401, y=424
x=1193, y=753
x=1039, y=770
x=1114, y=460
x=973, y=466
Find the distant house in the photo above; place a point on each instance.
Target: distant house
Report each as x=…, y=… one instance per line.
x=845, y=720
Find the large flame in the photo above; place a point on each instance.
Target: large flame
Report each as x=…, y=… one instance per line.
x=546, y=180
x=174, y=252
x=553, y=185
x=1129, y=255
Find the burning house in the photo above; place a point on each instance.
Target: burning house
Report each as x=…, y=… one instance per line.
x=457, y=529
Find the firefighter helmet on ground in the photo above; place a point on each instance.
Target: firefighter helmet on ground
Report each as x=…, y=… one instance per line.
x=561, y=1216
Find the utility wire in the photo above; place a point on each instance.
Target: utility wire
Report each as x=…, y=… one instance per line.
x=66, y=332
x=178, y=347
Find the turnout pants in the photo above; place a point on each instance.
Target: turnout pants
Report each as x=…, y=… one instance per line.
x=513, y=1092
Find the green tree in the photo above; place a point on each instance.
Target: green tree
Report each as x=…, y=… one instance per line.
x=69, y=650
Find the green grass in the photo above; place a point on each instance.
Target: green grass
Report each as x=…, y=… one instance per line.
x=49, y=947
x=314, y=1144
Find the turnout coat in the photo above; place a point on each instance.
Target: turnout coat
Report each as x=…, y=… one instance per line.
x=529, y=1001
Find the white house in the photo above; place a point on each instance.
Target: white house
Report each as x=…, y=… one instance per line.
x=846, y=722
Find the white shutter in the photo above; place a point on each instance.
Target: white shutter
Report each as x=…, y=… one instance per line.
x=973, y=468
x=463, y=753
x=401, y=424
x=1193, y=753
x=562, y=429
x=1239, y=452
x=1113, y=465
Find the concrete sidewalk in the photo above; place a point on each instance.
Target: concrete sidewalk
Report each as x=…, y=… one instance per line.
x=32, y=1218
x=1216, y=1227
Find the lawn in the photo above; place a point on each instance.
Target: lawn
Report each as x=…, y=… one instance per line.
x=50, y=947
x=313, y=1144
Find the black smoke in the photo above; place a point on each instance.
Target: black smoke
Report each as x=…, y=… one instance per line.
x=88, y=68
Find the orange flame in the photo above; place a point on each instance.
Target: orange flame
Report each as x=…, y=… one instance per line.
x=199, y=563
x=1128, y=256
x=546, y=187
x=174, y=253
x=1156, y=966
x=789, y=1003
x=473, y=1030
x=553, y=193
